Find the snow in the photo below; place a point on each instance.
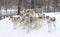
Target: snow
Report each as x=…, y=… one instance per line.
x=6, y=29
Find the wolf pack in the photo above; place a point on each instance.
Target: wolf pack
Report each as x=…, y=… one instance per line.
x=29, y=19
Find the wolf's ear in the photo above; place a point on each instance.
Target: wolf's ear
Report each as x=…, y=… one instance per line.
x=18, y=17
x=43, y=14
x=47, y=17
x=10, y=17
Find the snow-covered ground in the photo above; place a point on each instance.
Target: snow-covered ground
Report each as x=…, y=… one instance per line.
x=6, y=29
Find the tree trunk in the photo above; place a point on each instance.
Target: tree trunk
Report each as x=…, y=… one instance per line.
x=19, y=3
x=18, y=10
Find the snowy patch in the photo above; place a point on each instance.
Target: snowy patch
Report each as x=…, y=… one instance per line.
x=6, y=29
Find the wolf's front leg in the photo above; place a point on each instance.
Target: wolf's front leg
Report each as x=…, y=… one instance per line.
x=49, y=28
x=54, y=26
x=15, y=26
x=28, y=28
